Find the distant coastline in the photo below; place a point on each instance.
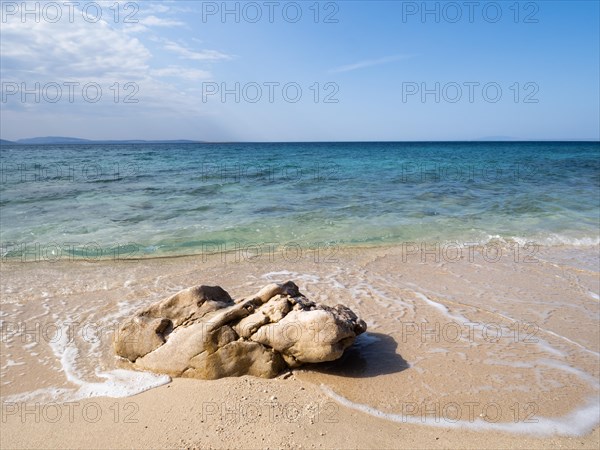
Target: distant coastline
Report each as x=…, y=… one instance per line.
x=54, y=140
x=63, y=140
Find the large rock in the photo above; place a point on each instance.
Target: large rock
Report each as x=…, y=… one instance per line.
x=201, y=332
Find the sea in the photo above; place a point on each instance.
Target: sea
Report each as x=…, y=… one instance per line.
x=102, y=201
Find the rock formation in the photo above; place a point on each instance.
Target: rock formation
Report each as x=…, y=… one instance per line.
x=201, y=332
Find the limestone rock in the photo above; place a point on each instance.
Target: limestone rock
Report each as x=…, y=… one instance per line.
x=201, y=332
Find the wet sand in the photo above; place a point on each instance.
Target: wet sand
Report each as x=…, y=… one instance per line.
x=475, y=349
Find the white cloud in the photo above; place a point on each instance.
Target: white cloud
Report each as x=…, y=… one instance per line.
x=153, y=21
x=44, y=53
x=156, y=7
x=145, y=24
x=71, y=49
x=82, y=52
x=368, y=63
x=135, y=28
x=202, y=55
x=182, y=72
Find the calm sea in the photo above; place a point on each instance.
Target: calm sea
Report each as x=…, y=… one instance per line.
x=144, y=200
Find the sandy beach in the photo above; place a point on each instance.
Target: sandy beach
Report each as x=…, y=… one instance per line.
x=296, y=225
x=488, y=347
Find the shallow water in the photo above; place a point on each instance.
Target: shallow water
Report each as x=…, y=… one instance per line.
x=88, y=202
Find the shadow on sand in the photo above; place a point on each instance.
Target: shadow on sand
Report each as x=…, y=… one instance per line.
x=372, y=354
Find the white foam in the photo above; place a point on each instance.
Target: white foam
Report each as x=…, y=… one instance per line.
x=364, y=289
x=577, y=344
x=117, y=383
x=579, y=422
x=438, y=350
x=551, y=239
x=285, y=275
x=335, y=284
x=546, y=347
x=11, y=363
x=281, y=273
x=572, y=370
x=121, y=383
x=440, y=307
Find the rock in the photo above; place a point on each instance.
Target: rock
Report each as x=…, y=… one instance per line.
x=201, y=332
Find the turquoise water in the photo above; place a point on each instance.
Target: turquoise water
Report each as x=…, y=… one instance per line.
x=175, y=199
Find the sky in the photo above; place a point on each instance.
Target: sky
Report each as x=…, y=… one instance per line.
x=300, y=71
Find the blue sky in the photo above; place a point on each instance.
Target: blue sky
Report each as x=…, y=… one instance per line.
x=530, y=68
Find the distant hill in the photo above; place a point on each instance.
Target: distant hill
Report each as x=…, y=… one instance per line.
x=5, y=142
x=52, y=140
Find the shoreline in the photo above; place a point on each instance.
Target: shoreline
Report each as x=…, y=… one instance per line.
x=456, y=247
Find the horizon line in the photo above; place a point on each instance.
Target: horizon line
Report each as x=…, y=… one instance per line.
x=192, y=141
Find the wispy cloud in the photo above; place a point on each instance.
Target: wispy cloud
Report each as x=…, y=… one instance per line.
x=155, y=7
x=201, y=55
x=153, y=21
x=368, y=63
x=181, y=72
x=147, y=23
